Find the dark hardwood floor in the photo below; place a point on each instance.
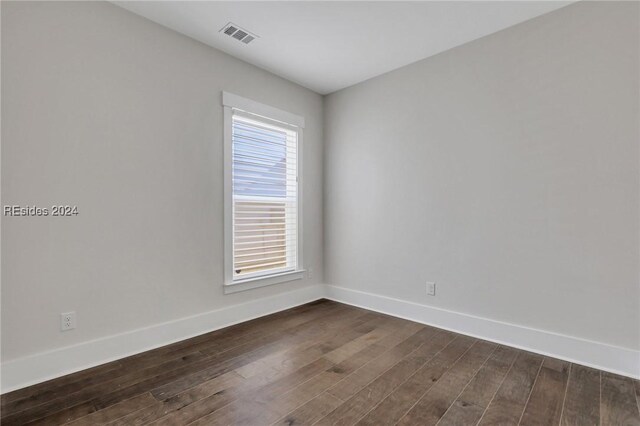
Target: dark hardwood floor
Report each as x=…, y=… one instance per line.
x=326, y=363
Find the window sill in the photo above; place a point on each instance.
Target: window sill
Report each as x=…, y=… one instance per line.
x=252, y=283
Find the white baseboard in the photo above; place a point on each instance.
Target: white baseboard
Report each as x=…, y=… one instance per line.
x=598, y=355
x=48, y=365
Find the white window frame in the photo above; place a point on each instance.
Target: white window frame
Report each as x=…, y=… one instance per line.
x=230, y=103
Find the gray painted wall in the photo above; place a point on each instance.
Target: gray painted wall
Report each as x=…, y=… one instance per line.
x=506, y=170
x=104, y=109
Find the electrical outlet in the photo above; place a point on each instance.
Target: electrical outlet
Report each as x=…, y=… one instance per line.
x=67, y=321
x=431, y=288
x=309, y=273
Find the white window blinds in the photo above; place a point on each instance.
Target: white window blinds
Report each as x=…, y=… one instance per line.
x=264, y=196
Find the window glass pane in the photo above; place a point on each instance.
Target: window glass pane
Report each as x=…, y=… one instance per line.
x=264, y=188
x=259, y=161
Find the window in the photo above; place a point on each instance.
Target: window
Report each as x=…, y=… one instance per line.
x=262, y=194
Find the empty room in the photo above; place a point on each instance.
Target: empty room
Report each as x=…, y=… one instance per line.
x=320, y=213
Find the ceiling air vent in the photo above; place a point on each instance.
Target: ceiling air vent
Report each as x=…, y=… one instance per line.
x=238, y=33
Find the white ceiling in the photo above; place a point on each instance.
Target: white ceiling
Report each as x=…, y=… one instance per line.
x=329, y=45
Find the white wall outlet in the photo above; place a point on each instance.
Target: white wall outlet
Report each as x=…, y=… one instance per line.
x=431, y=288
x=67, y=321
x=309, y=273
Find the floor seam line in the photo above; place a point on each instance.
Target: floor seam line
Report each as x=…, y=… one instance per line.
x=379, y=375
x=467, y=385
x=427, y=391
x=498, y=388
x=405, y=381
x=382, y=354
x=566, y=390
x=531, y=391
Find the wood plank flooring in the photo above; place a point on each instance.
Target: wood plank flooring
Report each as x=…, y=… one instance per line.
x=325, y=363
